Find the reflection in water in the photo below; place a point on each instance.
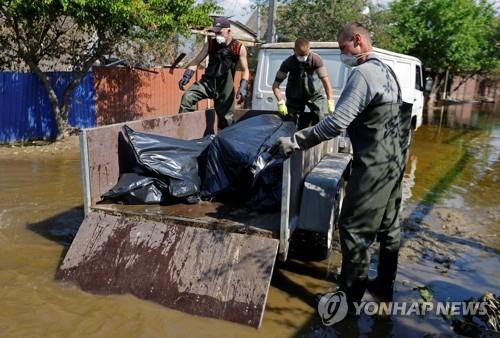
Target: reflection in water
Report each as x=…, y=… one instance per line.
x=460, y=116
x=453, y=165
x=409, y=179
x=459, y=137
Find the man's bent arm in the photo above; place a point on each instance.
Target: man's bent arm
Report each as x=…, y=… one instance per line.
x=327, y=86
x=277, y=91
x=244, y=63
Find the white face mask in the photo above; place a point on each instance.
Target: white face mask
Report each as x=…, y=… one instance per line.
x=351, y=60
x=302, y=58
x=220, y=39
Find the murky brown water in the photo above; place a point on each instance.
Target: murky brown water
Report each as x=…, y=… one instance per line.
x=452, y=210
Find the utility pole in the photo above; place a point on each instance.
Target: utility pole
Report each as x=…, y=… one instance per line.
x=258, y=21
x=271, y=22
x=445, y=84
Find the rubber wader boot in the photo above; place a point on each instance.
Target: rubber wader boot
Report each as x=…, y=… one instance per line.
x=353, y=280
x=382, y=287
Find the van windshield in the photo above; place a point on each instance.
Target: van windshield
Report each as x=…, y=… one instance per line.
x=331, y=59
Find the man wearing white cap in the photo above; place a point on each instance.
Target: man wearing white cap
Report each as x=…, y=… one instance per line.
x=218, y=81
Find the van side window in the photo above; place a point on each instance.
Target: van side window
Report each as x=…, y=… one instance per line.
x=418, y=79
x=336, y=71
x=403, y=72
x=274, y=62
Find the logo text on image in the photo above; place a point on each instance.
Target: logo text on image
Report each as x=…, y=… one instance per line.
x=332, y=308
x=420, y=308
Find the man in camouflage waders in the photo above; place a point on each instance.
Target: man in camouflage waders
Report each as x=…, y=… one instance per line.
x=218, y=81
x=371, y=109
x=307, y=76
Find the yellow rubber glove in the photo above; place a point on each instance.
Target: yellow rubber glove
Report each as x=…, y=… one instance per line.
x=331, y=106
x=282, y=110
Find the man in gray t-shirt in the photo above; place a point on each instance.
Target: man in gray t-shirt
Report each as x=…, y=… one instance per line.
x=307, y=77
x=369, y=109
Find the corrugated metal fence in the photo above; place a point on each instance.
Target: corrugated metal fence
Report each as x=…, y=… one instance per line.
x=25, y=112
x=124, y=94
x=105, y=96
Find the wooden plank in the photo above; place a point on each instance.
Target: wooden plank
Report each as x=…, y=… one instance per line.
x=285, y=211
x=84, y=162
x=205, y=214
x=203, y=272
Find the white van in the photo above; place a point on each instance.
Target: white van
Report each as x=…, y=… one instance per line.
x=408, y=69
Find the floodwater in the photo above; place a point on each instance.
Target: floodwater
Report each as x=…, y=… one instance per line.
x=451, y=222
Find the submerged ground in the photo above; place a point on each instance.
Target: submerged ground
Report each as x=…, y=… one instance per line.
x=451, y=221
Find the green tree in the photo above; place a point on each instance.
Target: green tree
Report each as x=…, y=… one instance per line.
x=76, y=33
x=380, y=19
x=319, y=20
x=459, y=36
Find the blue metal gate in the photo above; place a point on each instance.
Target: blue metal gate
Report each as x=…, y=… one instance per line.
x=25, y=111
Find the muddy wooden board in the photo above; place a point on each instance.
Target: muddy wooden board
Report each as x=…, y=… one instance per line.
x=199, y=271
x=204, y=214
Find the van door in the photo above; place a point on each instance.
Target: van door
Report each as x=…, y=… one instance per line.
x=269, y=62
x=418, y=100
x=405, y=75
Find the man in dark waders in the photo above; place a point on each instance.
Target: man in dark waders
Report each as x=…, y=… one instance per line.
x=218, y=81
x=307, y=76
x=370, y=109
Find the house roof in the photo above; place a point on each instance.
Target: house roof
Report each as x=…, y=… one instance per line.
x=290, y=45
x=239, y=31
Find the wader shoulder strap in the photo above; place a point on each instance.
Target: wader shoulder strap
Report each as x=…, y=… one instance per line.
x=400, y=96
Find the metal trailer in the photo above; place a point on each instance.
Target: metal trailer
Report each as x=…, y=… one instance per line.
x=209, y=259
